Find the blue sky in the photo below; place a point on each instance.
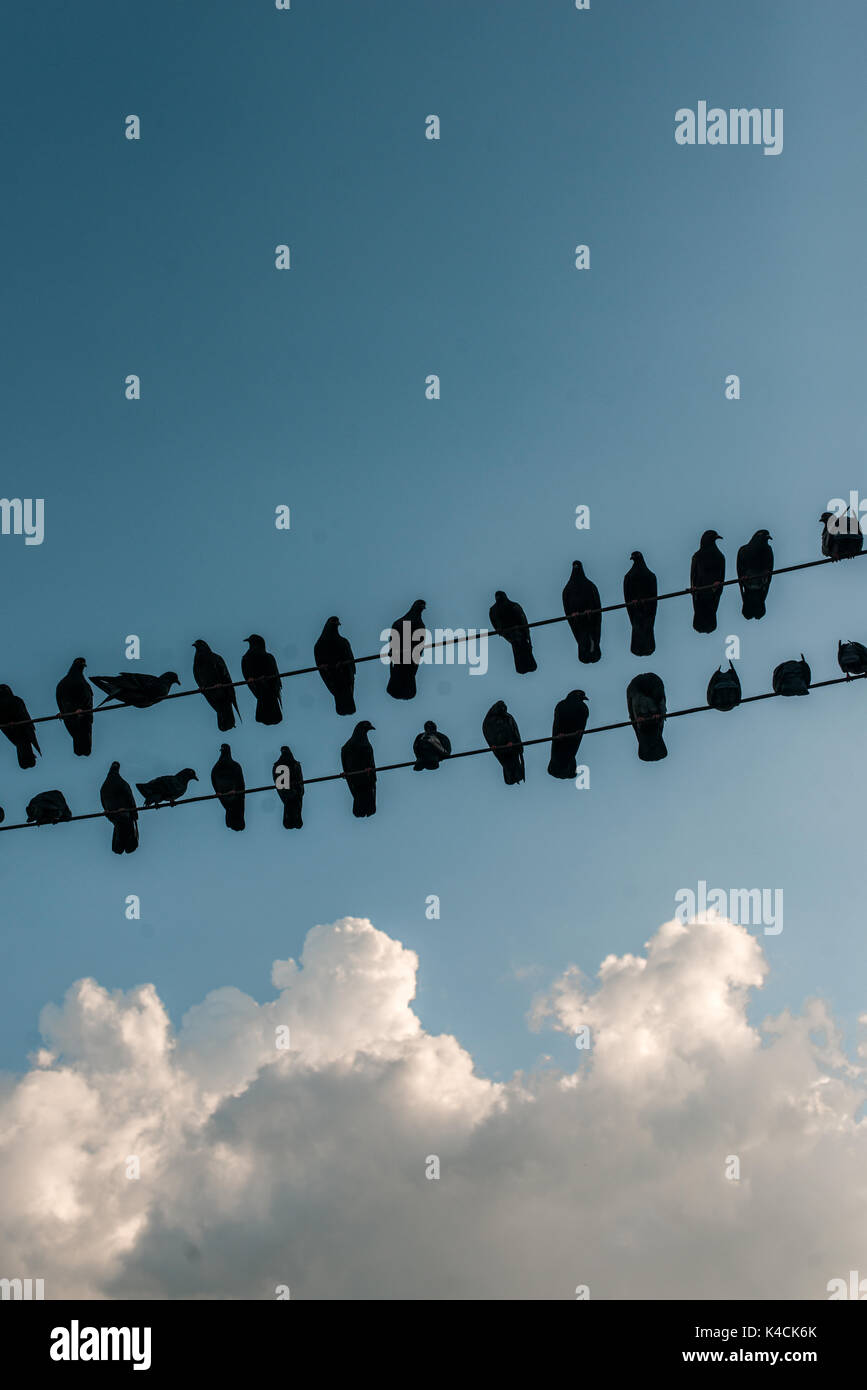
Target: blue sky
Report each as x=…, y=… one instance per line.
x=307, y=388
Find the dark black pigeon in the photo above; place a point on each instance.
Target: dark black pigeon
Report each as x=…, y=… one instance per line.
x=259, y=669
x=570, y=719
x=581, y=603
x=755, y=562
x=841, y=539
x=287, y=770
x=119, y=805
x=792, y=678
x=357, y=759
x=430, y=747
x=401, y=679
x=210, y=670
x=639, y=592
x=18, y=727
x=170, y=787
x=510, y=621
x=852, y=658
x=333, y=655
x=227, y=779
x=48, y=808
x=724, y=689
x=75, y=701
x=140, y=691
x=504, y=740
x=645, y=700
x=708, y=568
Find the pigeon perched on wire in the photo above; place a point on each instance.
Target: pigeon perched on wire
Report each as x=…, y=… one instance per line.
x=119, y=805
x=582, y=605
x=706, y=574
x=289, y=780
x=724, y=689
x=138, y=690
x=509, y=620
x=842, y=537
x=570, y=719
x=333, y=655
x=227, y=779
x=18, y=727
x=504, y=740
x=168, y=788
x=260, y=671
x=357, y=761
x=407, y=637
x=645, y=700
x=75, y=702
x=639, y=592
x=430, y=748
x=852, y=658
x=754, y=564
x=48, y=808
x=213, y=678
x=792, y=678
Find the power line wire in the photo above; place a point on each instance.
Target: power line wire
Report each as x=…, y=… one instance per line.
x=461, y=635
x=467, y=753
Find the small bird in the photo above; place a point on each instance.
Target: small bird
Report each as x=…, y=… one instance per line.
x=212, y=676
x=18, y=727
x=333, y=655
x=227, y=779
x=708, y=568
x=259, y=669
x=570, y=719
x=140, y=691
x=754, y=564
x=75, y=702
x=582, y=604
x=842, y=537
x=119, y=805
x=289, y=781
x=724, y=689
x=48, y=808
x=407, y=635
x=792, y=678
x=509, y=620
x=504, y=740
x=430, y=747
x=639, y=592
x=169, y=788
x=852, y=658
x=356, y=757
x=645, y=700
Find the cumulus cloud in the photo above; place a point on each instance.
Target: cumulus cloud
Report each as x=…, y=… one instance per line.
x=264, y=1165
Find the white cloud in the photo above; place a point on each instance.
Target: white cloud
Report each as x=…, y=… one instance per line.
x=306, y=1167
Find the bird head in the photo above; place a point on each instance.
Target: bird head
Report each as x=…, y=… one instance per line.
x=500, y=596
x=637, y=557
x=256, y=642
x=170, y=678
x=224, y=748
x=708, y=537
x=189, y=774
x=429, y=726
x=763, y=536
x=333, y=622
x=577, y=567
x=417, y=608
x=115, y=767
x=79, y=663
x=498, y=708
x=579, y=694
x=5, y=690
x=285, y=751
x=825, y=518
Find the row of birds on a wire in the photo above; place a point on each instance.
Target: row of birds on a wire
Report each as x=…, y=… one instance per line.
x=646, y=705
x=335, y=661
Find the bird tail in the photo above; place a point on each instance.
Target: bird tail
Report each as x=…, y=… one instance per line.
x=651, y=747
x=401, y=682
x=124, y=836
x=513, y=772
x=344, y=704
x=643, y=642
x=525, y=662
x=26, y=756
x=268, y=710
x=225, y=719
x=82, y=740
x=234, y=812
x=589, y=649
x=562, y=765
x=291, y=817
x=754, y=604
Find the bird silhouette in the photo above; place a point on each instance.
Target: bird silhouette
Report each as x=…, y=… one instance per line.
x=74, y=697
